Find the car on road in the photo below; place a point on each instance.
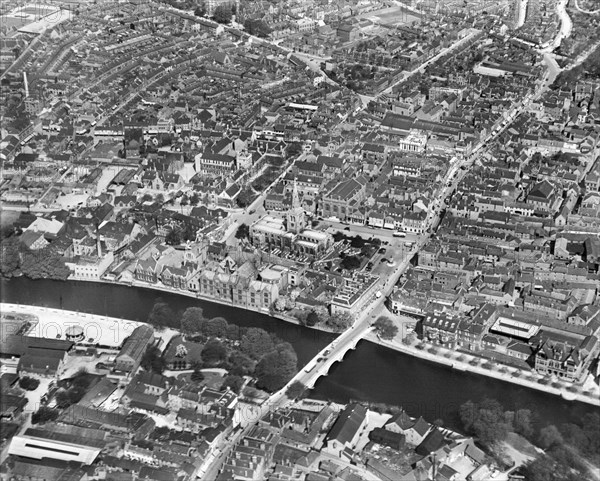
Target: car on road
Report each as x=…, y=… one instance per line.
x=252, y=212
x=346, y=228
x=399, y=233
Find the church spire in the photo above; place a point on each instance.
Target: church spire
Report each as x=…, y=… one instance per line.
x=296, y=220
x=295, y=196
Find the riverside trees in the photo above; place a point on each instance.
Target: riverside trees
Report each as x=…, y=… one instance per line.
x=242, y=351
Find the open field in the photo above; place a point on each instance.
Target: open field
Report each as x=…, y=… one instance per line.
x=391, y=16
x=7, y=217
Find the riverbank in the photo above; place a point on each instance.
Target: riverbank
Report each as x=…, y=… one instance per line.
x=111, y=331
x=103, y=331
x=461, y=361
x=194, y=295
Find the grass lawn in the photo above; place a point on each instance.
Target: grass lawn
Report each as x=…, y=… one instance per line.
x=8, y=217
x=211, y=380
x=521, y=444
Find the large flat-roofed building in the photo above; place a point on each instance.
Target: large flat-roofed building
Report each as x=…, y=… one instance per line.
x=515, y=328
x=14, y=345
x=40, y=447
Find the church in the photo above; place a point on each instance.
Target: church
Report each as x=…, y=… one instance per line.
x=289, y=234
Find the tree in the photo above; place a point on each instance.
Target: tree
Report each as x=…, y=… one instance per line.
x=340, y=322
x=290, y=302
x=233, y=382
x=385, y=327
x=296, y=390
x=312, y=319
x=275, y=369
x=280, y=304
x=257, y=27
x=213, y=353
x=244, y=198
x=523, y=423
x=256, y=343
x=44, y=414
x=350, y=263
x=240, y=364
x=222, y=14
x=173, y=237
x=161, y=315
x=29, y=383
x=63, y=400
x=194, y=199
x=200, y=10
x=242, y=232
x=591, y=428
x=197, y=376
x=192, y=320
x=152, y=360
x=549, y=436
x=573, y=435
x=357, y=242
x=547, y=468
x=10, y=257
x=234, y=333
x=486, y=420
x=43, y=264
x=216, y=327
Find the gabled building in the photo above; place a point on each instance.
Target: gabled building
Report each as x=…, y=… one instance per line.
x=130, y=355
x=346, y=430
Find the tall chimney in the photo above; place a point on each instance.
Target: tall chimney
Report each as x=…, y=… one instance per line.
x=98, y=246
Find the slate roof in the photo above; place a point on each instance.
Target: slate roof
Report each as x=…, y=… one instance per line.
x=347, y=424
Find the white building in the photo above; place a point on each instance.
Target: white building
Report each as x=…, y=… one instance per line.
x=39, y=448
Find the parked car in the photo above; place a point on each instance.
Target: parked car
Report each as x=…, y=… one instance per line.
x=382, y=250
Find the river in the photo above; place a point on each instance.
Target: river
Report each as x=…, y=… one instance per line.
x=371, y=373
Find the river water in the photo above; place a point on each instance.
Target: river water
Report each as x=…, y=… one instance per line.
x=370, y=373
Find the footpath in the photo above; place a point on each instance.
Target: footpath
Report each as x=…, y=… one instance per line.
x=465, y=362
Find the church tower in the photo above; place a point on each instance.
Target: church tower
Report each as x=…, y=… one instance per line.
x=296, y=219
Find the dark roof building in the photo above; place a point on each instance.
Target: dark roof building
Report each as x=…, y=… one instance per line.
x=346, y=429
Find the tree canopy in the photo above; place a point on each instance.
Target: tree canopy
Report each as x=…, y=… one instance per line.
x=29, y=383
x=275, y=369
x=256, y=343
x=161, y=315
x=222, y=14
x=243, y=231
x=191, y=320
x=296, y=390
x=152, y=360
x=385, y=328
x=233, y=382
x=486, y=420
x=214, y=353
x=257, y=27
